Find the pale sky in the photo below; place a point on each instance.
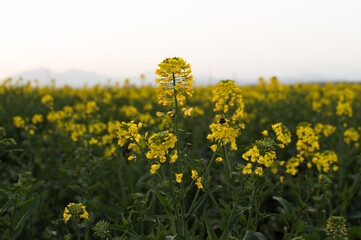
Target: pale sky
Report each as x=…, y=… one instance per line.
x=225, y=39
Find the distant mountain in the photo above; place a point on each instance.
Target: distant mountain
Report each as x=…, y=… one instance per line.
x=75, y=78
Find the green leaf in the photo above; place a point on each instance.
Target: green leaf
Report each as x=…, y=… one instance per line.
x=251, y=235
x=202, y=198
x=124, y=229
x=211, y=234
x=23, y=214
x=260, y=236
x=197, y=223
x=163, y=201
x=158, y=189
x=300, y=225
x=287, y=206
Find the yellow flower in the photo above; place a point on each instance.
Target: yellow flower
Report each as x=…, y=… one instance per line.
x=283, y=134
x=37, y=118
x=131, y=157
x=18, y=122
x=159, y=114
x=47, y=100
x=265, y=133
x=281, y=179
x=93, y=141
x=175, y=81
x=219, y=159
x=253, y=153
x=258, y=171
x=247, y=169
x=128, y=131
x=75, y=210
x=178, y=177
x=351, y=135
x=194, y=175
x=199, y=183
x=154, y=168
x=174, y=157
x=159, y=145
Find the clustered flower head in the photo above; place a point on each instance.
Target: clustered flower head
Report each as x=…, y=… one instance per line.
x=336, y=228
x=307, y=138
x=283, y=134
x=228, y=100
x=344, y=104
x=159, y=145
x=324, y=160
x=351, y=135
x=48, y=100
x=75, y=210
x=19, y=122
x=101, y=229
x=229, y=107
x=308, y=146
x=129, y=131
x=262, y=160
x=225, y=132
x=175, y=81
x=324, y=129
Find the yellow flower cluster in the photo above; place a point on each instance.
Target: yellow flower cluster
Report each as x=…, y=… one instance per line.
x=344, y=104
x=91, y=107
x=18, y=122
x=307, y=145
x=75, y=210
x=225, y=132
x=351, y=135
x=37, y=118
x=324, y=160
x=292, y=165
x=159, y=145
x=198, y=179
x=283, y=134
x=47, y=100
x=307, y=138
x=253, y=155
x=128, y=131
x=175, y=81
x=226, y=96
x=325, y=129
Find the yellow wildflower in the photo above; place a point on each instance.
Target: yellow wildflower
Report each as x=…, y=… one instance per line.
x=178, y=177
x=194, y=175
x=219, y=159
x=199, y=183
x=154, y=168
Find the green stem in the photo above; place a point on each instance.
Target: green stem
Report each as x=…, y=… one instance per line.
x=173, y=198
x=230, y=218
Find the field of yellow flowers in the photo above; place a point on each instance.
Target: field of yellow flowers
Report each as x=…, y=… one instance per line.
x=268, y=161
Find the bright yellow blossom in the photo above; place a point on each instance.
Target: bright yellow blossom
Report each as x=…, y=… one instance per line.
x=194, y=175
x=178, y=177
x=154, y=168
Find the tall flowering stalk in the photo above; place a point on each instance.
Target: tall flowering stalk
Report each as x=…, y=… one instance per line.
x=174, y=85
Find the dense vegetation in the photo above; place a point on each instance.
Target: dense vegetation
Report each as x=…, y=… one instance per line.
x=269, y=161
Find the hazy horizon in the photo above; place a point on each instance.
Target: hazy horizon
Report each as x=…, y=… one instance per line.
x=228, y=40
